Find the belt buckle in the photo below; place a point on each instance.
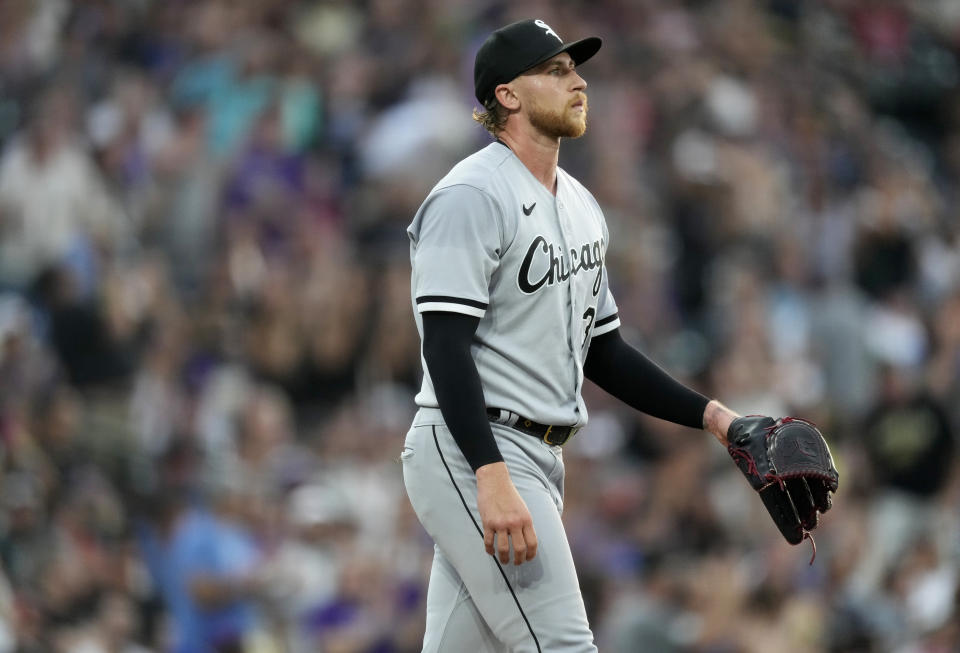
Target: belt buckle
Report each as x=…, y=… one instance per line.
x=561, y=441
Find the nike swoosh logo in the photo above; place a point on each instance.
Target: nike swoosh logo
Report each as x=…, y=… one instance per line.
x=527, y=211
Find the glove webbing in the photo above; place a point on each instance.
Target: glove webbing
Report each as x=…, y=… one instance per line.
x=770, y=477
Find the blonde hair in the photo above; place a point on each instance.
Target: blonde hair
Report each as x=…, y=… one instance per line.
x=493, y=118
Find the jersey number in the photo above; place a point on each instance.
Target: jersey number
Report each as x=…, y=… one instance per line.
x=588, y=316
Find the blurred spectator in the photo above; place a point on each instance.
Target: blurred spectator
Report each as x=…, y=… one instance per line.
x=54, y=205
x=94, y=337
x=27, y=366
x=911, y=447
x=110, y=630
x=205, y=564
x=322, y=532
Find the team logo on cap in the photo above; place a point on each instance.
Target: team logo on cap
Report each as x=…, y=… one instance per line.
x=549, y=30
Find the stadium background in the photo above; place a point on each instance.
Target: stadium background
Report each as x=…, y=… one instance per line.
x=207, y=352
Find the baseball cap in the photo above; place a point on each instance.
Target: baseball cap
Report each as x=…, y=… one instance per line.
x=518, y=47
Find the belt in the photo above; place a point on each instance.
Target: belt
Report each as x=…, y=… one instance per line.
x=553, y=435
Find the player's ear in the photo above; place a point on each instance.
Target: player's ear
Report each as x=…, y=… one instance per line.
x=506, y=95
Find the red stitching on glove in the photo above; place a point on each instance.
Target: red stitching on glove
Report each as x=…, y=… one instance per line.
x=787, y=420
x=771, y=478
x=745, y=455
x=807, y=473
x=769, y=430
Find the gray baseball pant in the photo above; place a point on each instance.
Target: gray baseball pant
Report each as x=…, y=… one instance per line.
x=474, y=603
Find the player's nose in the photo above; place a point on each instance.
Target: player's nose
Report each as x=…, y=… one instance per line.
x=579, y=83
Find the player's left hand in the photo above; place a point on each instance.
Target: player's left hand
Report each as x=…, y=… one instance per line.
x=788, y=462
x=505, y=517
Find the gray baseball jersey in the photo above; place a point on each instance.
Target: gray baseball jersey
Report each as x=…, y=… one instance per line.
x=491, y=241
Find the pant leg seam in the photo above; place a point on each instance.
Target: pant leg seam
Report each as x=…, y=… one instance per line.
x=516, y=600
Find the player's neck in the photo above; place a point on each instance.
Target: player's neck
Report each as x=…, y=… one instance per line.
x=537, y=152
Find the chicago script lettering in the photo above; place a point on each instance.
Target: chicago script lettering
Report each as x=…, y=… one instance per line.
x=559, y=267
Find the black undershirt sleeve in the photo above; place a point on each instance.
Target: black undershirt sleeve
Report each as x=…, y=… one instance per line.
x=637, y=381
x=446, y=349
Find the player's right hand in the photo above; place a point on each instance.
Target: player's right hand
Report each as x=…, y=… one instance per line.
x=505, y=516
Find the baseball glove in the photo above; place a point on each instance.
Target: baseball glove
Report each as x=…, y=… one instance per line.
x=788, y=463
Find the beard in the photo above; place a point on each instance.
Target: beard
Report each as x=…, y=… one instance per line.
x=565, y=123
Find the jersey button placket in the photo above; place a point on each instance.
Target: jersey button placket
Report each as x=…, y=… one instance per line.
x=576, y=319
x=564, y=223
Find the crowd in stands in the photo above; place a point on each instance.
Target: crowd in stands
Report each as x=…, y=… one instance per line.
x=208, y=355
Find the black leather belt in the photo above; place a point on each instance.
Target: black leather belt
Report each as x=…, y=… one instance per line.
x=553, y=435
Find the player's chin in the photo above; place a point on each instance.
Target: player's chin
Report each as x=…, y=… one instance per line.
x=576, y=128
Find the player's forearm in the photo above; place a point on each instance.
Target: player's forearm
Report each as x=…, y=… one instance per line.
x=717, y=419
x=637, y=381
x=456, y=382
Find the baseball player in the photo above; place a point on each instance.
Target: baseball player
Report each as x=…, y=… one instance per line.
x=514, y=310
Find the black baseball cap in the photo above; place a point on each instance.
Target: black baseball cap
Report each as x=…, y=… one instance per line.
x=518, y=47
